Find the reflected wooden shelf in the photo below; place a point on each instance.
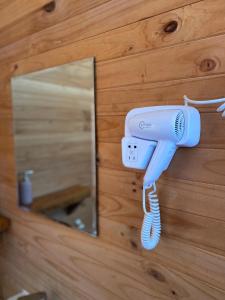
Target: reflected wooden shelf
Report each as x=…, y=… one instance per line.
x=4, y=224
x=61, y=199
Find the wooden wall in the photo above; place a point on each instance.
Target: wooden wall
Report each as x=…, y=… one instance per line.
x=141, y=59
x=52, y=126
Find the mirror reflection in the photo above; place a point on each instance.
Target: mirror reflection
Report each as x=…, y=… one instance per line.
x=54, y=130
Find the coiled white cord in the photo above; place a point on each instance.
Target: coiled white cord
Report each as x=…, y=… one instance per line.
x=151, y=227
x=221, y=108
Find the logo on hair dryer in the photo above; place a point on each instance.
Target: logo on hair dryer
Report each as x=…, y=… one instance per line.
x=145, y=125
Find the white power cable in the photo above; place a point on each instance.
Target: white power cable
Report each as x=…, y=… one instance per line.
x=151, y=227
x=221, y=108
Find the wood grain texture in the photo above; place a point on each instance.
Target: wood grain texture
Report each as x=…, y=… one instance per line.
x=60, y=199
x=43, y=16
x=117, y=13
x=13, y=11
x=137, y=37
x=52, y=126
x=173, y=193
x=147, y=279
x=176, y=62
x=137, y=64
x=119, y=100
x=4, y=224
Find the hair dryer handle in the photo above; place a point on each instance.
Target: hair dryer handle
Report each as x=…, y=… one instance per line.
x=160, y=161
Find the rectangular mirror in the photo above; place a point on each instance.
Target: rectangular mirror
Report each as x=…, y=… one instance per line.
x=54, y=129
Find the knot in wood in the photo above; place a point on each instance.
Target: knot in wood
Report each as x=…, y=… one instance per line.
x=207, y=65
x=49, y=7
x=170, y=27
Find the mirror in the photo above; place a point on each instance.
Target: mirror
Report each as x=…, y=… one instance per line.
x=54, y=130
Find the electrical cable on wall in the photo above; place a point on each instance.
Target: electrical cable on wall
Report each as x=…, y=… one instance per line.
x=221, y=108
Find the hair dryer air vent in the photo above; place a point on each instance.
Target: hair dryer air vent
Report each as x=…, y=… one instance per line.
x=179, y=125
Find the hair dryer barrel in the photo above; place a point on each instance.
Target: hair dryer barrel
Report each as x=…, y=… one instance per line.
x=158, y=125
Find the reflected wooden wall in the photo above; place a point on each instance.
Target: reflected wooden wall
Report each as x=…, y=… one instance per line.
x=141, y=59
x=52, y=125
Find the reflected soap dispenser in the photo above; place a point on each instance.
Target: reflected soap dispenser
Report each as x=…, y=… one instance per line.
x=25, y=188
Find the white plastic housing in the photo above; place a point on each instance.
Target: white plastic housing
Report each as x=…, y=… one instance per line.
x=136, y=153
x=160, y=119
x=168, y=127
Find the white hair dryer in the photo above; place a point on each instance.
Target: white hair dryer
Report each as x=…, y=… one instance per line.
x=152, y=136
